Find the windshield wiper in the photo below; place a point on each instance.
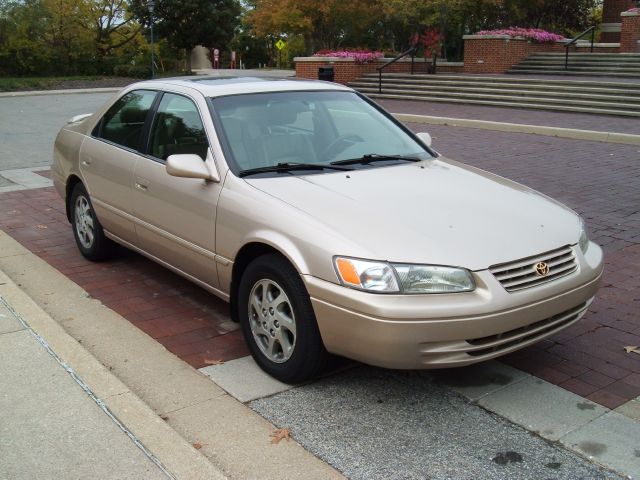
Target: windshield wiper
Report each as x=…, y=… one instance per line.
x=374, y=157
x=289, y=166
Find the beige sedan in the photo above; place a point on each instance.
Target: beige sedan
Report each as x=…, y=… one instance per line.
x=327, y=225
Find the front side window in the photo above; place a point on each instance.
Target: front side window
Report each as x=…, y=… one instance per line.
x=323, y=127
x=124, y=121
x=178, y=129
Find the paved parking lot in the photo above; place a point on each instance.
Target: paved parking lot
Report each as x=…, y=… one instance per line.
x=600, y=181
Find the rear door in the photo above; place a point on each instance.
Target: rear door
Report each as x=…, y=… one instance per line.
x=175, y=217
x=108, y=158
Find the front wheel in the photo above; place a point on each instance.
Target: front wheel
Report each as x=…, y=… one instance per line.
x=87, y=230
x=278, y=321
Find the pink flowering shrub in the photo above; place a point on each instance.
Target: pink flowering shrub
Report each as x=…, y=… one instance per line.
x=533, y=34
x=633, y=10
x=359, y=56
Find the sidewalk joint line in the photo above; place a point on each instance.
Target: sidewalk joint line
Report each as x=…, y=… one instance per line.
x=87, y=389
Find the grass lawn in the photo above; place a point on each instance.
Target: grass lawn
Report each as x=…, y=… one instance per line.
x=9, y=84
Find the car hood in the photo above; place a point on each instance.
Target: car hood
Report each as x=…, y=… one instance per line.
x=433, y=212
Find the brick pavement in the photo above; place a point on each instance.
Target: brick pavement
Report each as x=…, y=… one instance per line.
x=600, y=181
x=580, y=121
x=187, y=320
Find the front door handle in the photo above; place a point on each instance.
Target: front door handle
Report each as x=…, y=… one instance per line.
x=142, y=184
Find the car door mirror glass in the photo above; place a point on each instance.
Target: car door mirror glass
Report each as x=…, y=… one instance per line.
x=188, y=165
x=425, y=137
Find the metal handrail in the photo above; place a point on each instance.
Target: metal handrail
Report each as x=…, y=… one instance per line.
x=591, y=29
x=410, y=51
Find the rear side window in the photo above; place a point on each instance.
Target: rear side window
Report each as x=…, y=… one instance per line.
x=177, y=128
x=124, y=121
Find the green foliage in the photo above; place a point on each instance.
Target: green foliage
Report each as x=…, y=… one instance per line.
x=132, y=71
x=188, y=23
x=388, y=25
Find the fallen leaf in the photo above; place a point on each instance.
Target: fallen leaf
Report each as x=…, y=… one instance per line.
x=213, y=362
x=41, y=227
x=280, y=434
x=164, y=417
x=197, y=445
x=632, y=349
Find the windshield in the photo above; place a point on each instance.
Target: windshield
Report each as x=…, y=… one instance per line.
x=323, y=127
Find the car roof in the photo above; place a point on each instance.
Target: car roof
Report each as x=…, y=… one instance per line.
x=220, y=86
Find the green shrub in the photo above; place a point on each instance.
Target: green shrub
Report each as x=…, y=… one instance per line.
x=133, y=71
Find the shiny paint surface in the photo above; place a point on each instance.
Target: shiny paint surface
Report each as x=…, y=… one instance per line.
x=434, y=211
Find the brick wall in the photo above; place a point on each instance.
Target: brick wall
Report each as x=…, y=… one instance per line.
x=611, y=19
x=346, y=71
x=612, y=9
x=493, y=54
x=630, y=32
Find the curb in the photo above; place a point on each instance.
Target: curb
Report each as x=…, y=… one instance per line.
x=166, y=403
x=571, y=133
x=68, y=91
x=165, y=447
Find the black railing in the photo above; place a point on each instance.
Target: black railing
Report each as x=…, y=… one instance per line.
x=411, y=52
x=591, y=30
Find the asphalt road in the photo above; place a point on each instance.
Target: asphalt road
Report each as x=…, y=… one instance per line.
x=29, y=125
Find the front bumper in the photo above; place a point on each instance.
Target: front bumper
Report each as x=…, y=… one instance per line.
x=438, y=331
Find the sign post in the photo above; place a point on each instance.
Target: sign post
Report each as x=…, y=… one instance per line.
x=280, y=44
x=216, y=58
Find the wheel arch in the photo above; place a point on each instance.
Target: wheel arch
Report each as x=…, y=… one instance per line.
x=72, y=181
x=244, y=257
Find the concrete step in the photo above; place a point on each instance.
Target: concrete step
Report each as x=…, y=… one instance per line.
x=494, y=103
x=586, y=54
x=521, y=71
x=463, y=79
x=542, y=101
x=513, y=85
x=585, y=69
x=580, y=63
x=494, y=90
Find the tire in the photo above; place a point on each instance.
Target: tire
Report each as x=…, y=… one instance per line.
x=278, y=321
x=87, y=230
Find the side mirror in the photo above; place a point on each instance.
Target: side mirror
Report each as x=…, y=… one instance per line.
x=425, y=137
x=188, y=166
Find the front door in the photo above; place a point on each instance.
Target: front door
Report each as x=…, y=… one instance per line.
x=108, y=158
x=176, y=217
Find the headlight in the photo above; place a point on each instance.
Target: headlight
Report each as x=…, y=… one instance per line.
x=366, y=275
x=583, y=242
x=432, y=279
x=402, y=278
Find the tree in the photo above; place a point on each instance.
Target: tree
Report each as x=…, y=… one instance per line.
x=322, y=23
x=188, y=23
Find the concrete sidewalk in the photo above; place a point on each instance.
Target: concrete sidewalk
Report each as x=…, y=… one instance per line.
x=64, y=415
x=52, y=426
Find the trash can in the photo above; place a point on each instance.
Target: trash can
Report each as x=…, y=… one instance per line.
x=325, y=73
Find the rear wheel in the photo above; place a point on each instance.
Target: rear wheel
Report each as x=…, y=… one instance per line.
x=87, y=230
x=278, y=321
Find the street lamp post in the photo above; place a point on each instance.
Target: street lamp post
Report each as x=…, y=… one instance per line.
x=151, y=5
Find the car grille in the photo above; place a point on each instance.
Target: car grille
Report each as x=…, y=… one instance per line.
x=522, y=273
x=511, y=338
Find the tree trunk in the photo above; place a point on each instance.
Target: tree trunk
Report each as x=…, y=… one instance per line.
x=188, y=53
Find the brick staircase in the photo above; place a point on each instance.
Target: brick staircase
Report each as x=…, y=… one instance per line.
x=588, y=64
x=597, y=97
